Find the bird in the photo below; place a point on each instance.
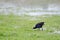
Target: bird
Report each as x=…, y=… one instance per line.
x=39, y=25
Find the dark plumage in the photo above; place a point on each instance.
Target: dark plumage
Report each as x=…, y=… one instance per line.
x=39, y=25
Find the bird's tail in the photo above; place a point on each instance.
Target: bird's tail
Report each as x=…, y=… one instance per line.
x=34, y=27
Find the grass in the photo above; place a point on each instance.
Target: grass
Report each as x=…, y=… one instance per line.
x=20, y=27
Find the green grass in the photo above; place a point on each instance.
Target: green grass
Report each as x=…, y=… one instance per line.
x=20, y=27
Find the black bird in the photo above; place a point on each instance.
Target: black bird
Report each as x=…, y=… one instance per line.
x=39, y=25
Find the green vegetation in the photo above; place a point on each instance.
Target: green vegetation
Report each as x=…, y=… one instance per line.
x=20, y=27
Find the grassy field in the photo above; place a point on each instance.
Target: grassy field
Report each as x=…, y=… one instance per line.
x=20, y=27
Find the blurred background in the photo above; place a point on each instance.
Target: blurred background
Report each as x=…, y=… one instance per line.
x=29, y=7
x=18, y=17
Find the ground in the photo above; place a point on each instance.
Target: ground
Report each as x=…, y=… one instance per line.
x=21, y=27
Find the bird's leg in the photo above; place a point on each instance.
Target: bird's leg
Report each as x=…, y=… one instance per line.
x=39, y=28
x=42, y=29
